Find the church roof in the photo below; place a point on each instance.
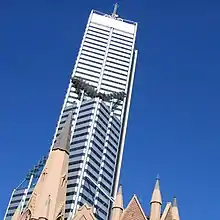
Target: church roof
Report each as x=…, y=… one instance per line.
x=134, y=210
x=85, y=212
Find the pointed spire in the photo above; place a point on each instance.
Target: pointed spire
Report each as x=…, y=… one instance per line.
x=119, y=199
x=175, y=210
x=63, y=140
x=156, y=196
x=120, y=189
x=174, y=202
x=117, y=208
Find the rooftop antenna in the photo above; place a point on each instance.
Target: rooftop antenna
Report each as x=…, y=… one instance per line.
x=114, y=14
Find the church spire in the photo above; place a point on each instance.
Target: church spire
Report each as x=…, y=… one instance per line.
x=156, y=196
x=175, y=210
x=62, y=142
x=117, y=208
x=49, y=195
x=156, y=202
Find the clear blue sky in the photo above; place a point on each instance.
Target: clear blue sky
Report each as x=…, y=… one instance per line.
x=174, y=125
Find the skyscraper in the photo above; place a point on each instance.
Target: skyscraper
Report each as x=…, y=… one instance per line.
x=99, y=96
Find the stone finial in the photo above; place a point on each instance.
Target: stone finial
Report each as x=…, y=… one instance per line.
x=175, y=210
x=174, y=204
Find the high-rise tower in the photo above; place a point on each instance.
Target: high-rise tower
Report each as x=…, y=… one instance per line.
x=98, y=96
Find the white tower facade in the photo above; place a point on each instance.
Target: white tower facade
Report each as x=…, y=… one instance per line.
x=106, y=64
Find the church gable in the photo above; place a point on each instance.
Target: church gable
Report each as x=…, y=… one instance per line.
x=134, y=211
x=167, y=214
x=83, y=218
x=84, y=213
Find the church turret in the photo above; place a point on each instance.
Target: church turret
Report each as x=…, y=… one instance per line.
x=117, y=208
x=48, y=198
x=156, y=202
x=175, y=210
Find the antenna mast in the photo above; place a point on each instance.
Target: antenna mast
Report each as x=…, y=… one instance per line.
x=114, y=14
